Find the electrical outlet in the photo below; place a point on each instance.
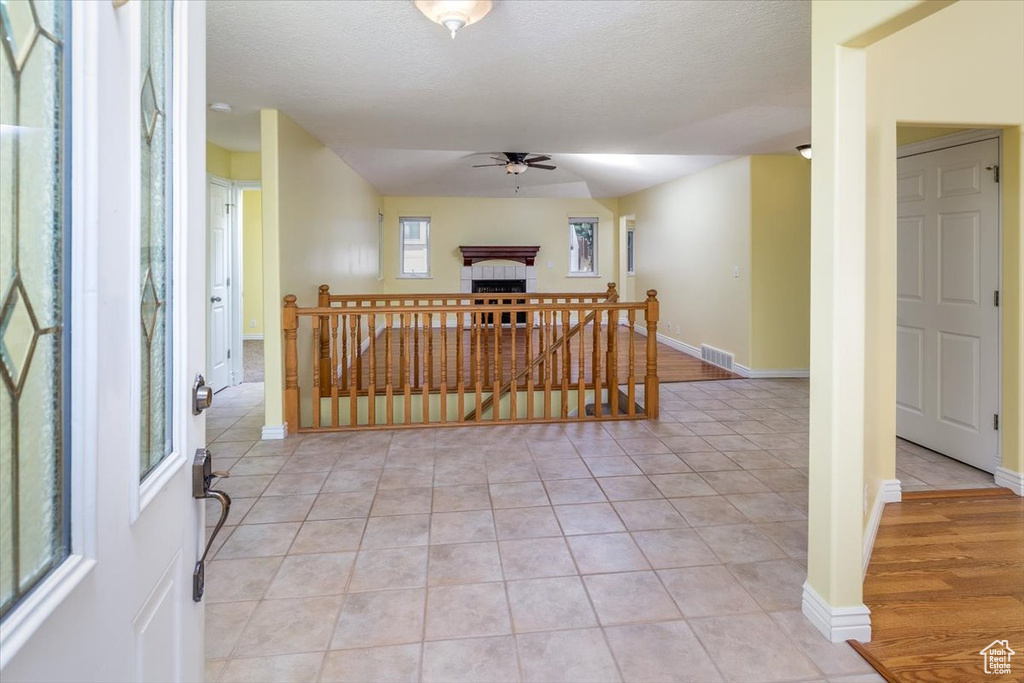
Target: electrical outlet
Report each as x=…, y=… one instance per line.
x=550, y=265
x=252, y=323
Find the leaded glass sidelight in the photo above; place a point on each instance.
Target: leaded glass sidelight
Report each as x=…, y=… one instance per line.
x=156, y=98
x=34, y=268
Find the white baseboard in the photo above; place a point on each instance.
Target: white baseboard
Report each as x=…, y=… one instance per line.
x=838, y=624
x=891, y=491
x=1011, y=480
x=252, y=337
x=741, y=370
x=274, y=432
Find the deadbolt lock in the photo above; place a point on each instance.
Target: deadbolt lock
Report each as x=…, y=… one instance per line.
x=202, y=395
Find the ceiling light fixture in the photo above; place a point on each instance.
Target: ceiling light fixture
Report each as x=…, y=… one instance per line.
x=454, y=14
x=220, y=107
x=516, y=167
x=805, y=151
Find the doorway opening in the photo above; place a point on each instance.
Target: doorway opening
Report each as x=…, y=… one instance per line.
x=234, y=282
x=948, y=324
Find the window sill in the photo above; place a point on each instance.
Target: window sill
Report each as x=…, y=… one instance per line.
x=414, y=277
x=590, y=275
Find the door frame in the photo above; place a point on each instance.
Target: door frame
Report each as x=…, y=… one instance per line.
x=968, y=137
x=237, y=268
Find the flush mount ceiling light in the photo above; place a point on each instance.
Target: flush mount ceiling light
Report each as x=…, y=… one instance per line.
x=805, y=151
x=454, y=14
x=220, y=107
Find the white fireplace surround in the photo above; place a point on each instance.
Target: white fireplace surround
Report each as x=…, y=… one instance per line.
x=471, y=273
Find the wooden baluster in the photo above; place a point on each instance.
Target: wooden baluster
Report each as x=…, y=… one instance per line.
x=317, y=366
x=595, y=360
x=371, y=389
x=416, y=350
x=426, y=364
x=444, y=367
x=460, y=373
x=581, y=381
x=529, y=364
x=345, y=378
x=389, y=389
x=612, y=361
x=290, y=324
x=546, y=323
x=651, y=380
x=541, y=346
x=359, y=347
x=353, y=386
x=496, y=388
x=401, y=347
x=487, y=351
x=323, y=351
x=429, y=330
x=631, y=378
x=407, y=369
x=566, y=363
x=335, y=419
x=478, y=413
x=513, y=397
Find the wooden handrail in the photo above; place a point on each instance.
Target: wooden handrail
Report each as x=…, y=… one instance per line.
x=612, y=297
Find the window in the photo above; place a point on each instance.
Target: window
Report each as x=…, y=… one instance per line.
x=415, y=246
x=34, y=297
x=583, y=246
x=630, y=250
x=155, y=287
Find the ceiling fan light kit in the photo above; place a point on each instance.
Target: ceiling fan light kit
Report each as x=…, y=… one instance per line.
x=454, y=14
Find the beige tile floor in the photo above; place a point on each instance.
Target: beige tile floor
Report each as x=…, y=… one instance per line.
x=642, y=551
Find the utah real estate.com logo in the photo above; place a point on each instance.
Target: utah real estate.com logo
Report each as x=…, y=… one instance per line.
x=997, y=657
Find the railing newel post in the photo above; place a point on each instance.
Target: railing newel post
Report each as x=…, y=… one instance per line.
x=290, y=326
x=651, y=380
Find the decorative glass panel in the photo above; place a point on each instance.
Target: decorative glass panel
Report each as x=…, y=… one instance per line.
x=34, y=265
x=155, y=286
x=583, y=245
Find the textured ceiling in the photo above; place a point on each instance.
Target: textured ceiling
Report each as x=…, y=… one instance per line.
x=401, y=101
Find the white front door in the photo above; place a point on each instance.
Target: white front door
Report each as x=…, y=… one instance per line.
x=219, y=283
x=947, y=391
x=103, y=266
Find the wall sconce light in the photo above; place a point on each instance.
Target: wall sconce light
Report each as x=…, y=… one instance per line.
x=805, y=151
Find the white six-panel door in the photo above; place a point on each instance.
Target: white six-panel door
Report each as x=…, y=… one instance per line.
x=218, y=280
x=947, y=332
x=120, y=607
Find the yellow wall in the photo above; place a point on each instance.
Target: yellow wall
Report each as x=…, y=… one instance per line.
x=252, y=262
x=690, y=233
x=909, y=134
x=319, y=226
x=456, y=221
x=780, y=269
x=218, y=160
x=245, y=165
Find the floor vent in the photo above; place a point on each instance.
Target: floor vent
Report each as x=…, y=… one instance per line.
x=710, y=354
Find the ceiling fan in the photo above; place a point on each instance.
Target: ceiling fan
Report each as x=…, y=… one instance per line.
x=516, y=163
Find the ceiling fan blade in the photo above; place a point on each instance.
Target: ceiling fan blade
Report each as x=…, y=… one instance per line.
x=501, y=159
x=487, y=165
x=540, y=158
x=544, y=166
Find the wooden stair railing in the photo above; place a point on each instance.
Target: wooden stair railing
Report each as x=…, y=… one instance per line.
x=529, y=374
x=555, y=346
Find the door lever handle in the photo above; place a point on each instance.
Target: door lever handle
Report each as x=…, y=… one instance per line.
x=202, y=477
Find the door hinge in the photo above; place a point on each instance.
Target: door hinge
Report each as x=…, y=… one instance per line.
x=995, y=421
x=995, y=171
x=995, y=298
x=229, y=353
x=227, y=207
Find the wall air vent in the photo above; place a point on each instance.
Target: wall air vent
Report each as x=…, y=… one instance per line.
x=710, y=354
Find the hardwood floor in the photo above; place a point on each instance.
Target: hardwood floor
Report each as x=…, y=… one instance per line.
x=947, y=579
x=673, y=366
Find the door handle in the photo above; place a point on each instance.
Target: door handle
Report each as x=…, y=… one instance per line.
x=214, y=299
x=202, y=477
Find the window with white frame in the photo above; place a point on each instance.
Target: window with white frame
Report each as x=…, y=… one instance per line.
x=583, y=246
x=414, y=246
x=35, y=301
x=630, y=250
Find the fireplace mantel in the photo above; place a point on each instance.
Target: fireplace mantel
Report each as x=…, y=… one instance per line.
x=475, y=254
